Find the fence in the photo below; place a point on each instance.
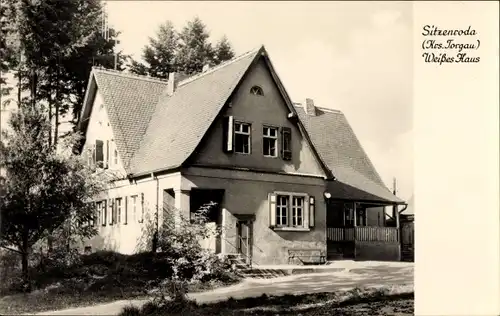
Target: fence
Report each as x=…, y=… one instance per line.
x=363, y=233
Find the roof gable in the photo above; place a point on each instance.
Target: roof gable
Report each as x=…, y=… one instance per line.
x=181, y=120
x=130, y=101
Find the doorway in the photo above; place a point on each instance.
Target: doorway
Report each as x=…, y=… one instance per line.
x=244, y=239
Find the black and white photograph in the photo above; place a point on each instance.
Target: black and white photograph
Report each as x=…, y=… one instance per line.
x=220, y=157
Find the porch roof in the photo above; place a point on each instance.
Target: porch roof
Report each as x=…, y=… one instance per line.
x=350, y=185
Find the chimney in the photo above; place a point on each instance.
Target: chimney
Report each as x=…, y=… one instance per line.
x=309, y=107
x=173, y=81
x=205, y=68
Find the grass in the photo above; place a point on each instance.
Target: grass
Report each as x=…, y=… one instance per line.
x=100, y=277
x=383, y=301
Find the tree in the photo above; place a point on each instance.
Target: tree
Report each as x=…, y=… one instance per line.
x=223, y=50
x=160, y=55
x=59, y=44
x=44, y=188
x=188, y=51
x=195, y=50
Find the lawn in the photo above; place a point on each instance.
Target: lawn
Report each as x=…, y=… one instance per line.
x=352, y=303
x=97, y=278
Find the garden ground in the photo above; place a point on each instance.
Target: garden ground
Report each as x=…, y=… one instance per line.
x=395, y=278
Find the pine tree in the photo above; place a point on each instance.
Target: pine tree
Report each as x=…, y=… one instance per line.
x=160, y=55
x=195, y=50
x=223, y=51
x=60, y=44
x=188, y=51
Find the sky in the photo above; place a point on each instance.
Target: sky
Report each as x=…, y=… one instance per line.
x=352, y=56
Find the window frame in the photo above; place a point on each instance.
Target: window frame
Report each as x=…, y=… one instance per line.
x=238, y=132
x=258, y=89
x=268, y=136
x=305, y=211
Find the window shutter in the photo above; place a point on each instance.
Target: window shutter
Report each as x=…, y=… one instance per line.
x=141, y=216
x=312, y=208
x=118, y=210
x=286, y=143
x=104, y=211
x=111, y=211
x=272, y=210
x=126, y=210
x=106, y=162
x=228, y=130
x=93, y=164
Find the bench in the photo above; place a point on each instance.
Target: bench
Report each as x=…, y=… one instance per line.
x=306, y=256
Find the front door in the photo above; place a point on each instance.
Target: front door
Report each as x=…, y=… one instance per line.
x=244, y=240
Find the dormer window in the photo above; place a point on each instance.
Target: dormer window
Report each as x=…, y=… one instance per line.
x=256, y=90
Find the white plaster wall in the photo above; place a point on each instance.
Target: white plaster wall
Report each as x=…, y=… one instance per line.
x=131, y=237
x=100, y=128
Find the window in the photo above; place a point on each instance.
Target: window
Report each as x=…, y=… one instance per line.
x=282, y=210
x=297, y=210
x=270, y=141
x=242, y=138
x=99, y=153
x=118, y=210
x=256, y=90
x=291, y=211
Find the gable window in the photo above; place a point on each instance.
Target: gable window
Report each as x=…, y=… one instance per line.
x=242, y=138
x=115, y=157
x=291, y=211
x=256, y=90
x=270, y=141
x=99, y=153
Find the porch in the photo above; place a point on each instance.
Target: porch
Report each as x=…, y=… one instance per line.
x=360, y=231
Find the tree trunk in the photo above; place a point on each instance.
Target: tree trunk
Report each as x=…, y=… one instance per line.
x=49, y=101
x=33, y=87
x=56, y=128
x=19, y=84
x=24, y=264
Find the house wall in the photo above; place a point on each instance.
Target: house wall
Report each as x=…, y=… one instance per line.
x=375, y=216
x=247, y=193
x=269, y=109
x=134, y=236
x=99, y=128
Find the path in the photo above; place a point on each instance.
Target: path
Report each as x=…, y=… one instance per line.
x=362, y=276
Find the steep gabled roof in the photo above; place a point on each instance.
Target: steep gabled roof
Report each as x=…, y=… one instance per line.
x=181, y=120
x=130, y=101
x=341, y=151
x=155, y=131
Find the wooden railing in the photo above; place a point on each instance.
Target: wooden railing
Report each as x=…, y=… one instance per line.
x=363, y=233
x=340, y=234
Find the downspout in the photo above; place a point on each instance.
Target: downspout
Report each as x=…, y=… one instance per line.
x=155, y=234
x=404, y=208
